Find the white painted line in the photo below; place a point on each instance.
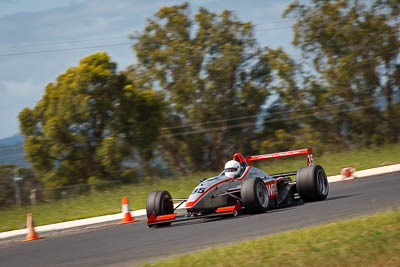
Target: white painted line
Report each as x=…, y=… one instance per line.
x=75, y=223
x=336, y=178
x=368, y=172
x=13, y=233
x=136, y=213
x=377, y=171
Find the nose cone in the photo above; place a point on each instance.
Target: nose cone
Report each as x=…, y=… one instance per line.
x=193, y=199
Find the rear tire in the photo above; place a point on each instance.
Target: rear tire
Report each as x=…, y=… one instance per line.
x=159, y=203
x=312, y=183
x=255, y=196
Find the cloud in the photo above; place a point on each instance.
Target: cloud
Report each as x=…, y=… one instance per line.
x=9, y=7
x=14, y=96
x=18, y=90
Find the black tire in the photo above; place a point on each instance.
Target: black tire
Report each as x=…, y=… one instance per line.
x=255, y=196
x=150, y=203
x=312, y=183
x=159, y=203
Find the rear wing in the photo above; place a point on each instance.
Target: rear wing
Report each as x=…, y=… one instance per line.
x=307, y=151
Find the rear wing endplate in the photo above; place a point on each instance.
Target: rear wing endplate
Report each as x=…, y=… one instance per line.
x=307, y=151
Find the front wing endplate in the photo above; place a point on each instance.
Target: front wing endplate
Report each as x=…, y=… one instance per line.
x=173, y=217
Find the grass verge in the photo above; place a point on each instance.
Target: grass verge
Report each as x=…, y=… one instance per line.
x=108, y=201
x=365, y=241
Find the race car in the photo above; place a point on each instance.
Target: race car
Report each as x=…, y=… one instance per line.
x=242, y=188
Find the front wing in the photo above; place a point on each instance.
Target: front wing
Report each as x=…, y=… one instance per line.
x=169, y=218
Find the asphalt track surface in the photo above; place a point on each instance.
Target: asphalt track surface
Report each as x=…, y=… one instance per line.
x=132, y=244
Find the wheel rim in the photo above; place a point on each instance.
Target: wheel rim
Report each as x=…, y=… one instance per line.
x=322, y=182
x=262, y=194
x=167, y=206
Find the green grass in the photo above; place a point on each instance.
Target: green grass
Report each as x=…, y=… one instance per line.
x=109, y=201
x=96, y=203
x=365, y=241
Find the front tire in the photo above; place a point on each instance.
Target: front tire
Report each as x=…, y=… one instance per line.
x=159, y=203
x=255, y=196
x=312, y=183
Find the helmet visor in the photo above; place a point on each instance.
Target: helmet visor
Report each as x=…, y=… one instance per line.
x=231, y=169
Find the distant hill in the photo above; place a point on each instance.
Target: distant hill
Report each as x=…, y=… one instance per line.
x=12, y=151
x=12, y=140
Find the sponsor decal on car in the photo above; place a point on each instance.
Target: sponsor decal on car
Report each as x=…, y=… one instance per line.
x=272, y=189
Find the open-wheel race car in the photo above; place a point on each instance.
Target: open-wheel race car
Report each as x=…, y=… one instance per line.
x=242, y=188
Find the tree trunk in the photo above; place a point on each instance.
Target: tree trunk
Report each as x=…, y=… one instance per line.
x=391, y=117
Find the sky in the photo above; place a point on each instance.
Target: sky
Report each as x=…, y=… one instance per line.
x=41, y=39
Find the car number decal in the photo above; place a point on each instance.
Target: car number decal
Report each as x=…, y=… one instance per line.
x=199, y=190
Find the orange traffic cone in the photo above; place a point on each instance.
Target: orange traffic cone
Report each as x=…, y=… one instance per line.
x=347, y=173
x=126, y=211
x=31, y=235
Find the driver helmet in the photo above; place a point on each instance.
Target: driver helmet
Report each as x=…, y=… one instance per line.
x=232, y=169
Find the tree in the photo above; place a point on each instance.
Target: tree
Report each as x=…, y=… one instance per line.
x=89, y=123
x=7, y=193
x=212, y=74
x=354, y=50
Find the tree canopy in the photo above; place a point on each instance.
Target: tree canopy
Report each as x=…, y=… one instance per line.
x=353, y=47
x=212, y=72
x=88, y=123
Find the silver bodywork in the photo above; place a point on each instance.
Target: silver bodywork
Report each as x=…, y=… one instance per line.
x=216, y=191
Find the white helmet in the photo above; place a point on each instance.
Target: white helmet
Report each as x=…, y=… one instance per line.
x=232, y=169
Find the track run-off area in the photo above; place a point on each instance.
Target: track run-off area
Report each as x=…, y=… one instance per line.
x=131, y=244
